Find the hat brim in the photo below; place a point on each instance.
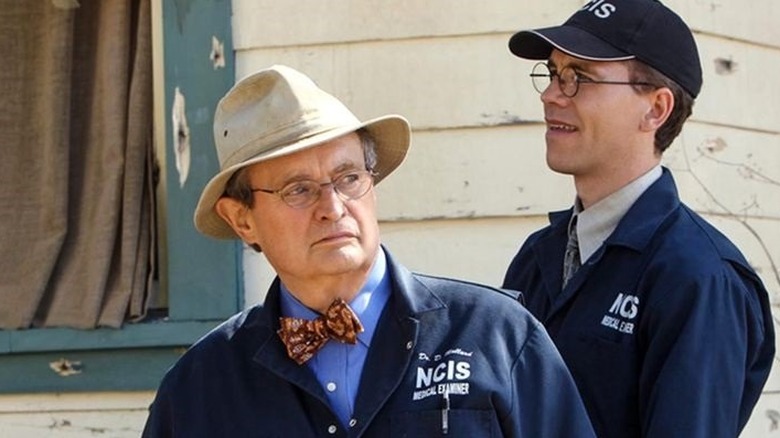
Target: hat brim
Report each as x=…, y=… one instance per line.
x=392, y=134
x=539, y=43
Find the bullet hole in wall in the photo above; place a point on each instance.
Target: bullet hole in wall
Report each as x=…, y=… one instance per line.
x=65, y=367
x=217, y=55
x=725, y=66
x=181, y=136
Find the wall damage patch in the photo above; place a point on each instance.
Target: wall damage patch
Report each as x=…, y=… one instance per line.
x=181, y=137
x=65, y=367
x=217, y=55
x=715, y=145
x=725, y=66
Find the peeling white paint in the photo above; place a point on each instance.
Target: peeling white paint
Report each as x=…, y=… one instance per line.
x=217, y=55
x=715, y=144
x=65, y=367
x=74, y=415
x=181, y=137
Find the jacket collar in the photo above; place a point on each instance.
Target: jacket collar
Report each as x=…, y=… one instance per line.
x=641, y=221
x=413, y=298
x=648, y=213
x=635, y=230
x=392, y=346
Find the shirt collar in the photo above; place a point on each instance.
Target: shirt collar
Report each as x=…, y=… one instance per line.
x=367, y=305
x=598, y=221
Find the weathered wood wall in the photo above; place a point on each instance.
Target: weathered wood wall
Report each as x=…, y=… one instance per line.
x=475, y=183
x=114, y=415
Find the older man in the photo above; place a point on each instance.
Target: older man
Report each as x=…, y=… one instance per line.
x=348, y=342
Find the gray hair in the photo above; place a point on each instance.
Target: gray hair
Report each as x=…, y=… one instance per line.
x=239, y=189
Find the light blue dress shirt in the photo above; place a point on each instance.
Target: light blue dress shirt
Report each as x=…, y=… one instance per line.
x=338, y=366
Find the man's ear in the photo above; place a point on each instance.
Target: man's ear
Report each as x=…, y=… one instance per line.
x=661, y=105
x=238, y=216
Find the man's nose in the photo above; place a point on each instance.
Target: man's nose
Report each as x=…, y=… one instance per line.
x=330, y=206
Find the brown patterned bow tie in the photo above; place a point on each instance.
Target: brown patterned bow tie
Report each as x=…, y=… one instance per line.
x=303, y=337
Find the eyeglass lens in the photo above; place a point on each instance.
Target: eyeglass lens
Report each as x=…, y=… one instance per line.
x=541, y=77
x=301, y=194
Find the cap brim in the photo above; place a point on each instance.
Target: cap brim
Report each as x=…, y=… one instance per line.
x=392, y=134
x=538, y=44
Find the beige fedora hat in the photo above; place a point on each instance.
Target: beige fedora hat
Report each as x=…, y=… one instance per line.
x=279, y=111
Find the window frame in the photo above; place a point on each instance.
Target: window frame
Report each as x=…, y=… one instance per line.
x=200, y=278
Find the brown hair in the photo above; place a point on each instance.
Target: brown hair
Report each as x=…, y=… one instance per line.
x=683, y=102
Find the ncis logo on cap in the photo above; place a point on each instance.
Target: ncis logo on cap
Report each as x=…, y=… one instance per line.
x=619, y=30
x=600, y=8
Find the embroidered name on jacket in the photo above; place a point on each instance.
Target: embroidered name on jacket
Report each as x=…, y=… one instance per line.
x=622, y=313
x=446, y=373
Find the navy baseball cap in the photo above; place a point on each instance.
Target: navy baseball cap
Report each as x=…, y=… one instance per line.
x=619, y=30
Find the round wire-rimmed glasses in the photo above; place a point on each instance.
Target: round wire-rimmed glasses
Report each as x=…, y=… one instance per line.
x=569, y=80
x=304, y=193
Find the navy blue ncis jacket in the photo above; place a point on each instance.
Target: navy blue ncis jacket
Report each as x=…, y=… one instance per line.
x=499, y=367
x=666, y=328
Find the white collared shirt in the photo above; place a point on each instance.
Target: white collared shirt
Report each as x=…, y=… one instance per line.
x=597, y=222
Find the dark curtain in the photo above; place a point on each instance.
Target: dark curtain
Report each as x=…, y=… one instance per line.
x=76, y=197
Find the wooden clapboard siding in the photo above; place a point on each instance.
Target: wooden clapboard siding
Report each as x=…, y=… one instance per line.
x=745, y=95
x=473, y=173
x=269, y=23
x=475, y=183
x=435, y=82
x=116, y=415
x=474, y=250
x=731, y=171
x=463, y=81
x=754, y=22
